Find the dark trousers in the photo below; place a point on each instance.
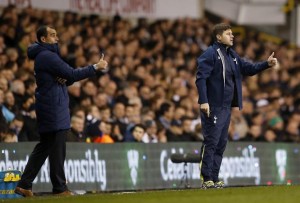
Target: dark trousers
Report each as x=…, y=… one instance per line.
x=52, y=145
x=215, y=132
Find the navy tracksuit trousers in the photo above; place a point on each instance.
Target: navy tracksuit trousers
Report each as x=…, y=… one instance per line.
x=215, y=132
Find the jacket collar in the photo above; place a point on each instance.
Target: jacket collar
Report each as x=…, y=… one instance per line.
x=50, y=47
x=217, y=45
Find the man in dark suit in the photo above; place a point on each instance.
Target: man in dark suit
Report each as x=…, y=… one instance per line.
x=52, y=109
x=219, y=83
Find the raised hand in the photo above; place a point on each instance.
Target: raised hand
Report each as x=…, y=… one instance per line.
x=272, y=61
x=102, y=65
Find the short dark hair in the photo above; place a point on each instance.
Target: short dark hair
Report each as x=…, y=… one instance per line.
x=219, y=29
x=41, y=32
x=138, y=126
x=164, y=107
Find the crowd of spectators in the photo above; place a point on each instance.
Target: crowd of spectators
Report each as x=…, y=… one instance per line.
x=149, y=94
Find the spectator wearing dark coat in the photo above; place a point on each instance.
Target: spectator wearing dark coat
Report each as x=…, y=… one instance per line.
x=76, y=132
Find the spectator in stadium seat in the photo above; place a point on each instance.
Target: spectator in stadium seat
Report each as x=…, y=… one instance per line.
x=105, y=114
x=105, y=136
x=240, y=124
x=277, y=126
x=292, y=131
x=29, y=131
x=16, y=124
x=188, y=134
x=136, y=133
x=8, y=115
x=119, y=121
x=269, y=136
x=100, y=100
x=76, y=133
x=89, y=88
x=254, y=134
x=3, y=84
x=74, y=95
x=18, y=89
x=9, y=137
x=166, y=116
x=150, y=135
x=161, y=133
x=93, y=113
x=30, y=87
x=219, y=83
x=9, y=102
x=110, y=90
x=52, y=109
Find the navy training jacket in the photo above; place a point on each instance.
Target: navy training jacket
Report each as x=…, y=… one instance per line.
x=52, y=99
x=210, y=78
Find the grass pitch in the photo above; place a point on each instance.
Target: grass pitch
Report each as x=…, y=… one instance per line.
x=259, y=194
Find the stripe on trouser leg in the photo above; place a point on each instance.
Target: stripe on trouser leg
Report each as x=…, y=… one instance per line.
x=200, y=164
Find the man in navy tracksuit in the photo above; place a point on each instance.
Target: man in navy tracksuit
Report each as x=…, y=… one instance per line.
x=52, y=109
x=219, y=83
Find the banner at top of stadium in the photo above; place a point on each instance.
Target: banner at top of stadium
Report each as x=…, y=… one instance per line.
x=156, y=9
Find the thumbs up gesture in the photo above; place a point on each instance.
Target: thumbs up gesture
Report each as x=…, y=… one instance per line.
x=102, y=64
x=273, y=61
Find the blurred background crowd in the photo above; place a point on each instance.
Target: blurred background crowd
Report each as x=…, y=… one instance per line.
x=149, y=94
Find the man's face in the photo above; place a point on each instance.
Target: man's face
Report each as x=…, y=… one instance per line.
x=78, y=125
x=138, y=133
x=51, y=37
x=226, y=37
